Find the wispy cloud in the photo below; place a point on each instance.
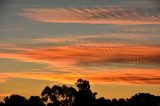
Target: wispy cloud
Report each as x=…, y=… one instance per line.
x=11, y=30
x=81, y=57
x=70, y=58
x=103, y=38
x=99, y=15
x=127, y=76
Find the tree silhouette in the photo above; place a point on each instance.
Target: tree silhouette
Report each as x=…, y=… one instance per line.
x=35, y=101
x=69, y=96
x=46, y=93
x=83, y=84
x=104, y=102
x=144, y=99
x=2, y=104
x=15, y=100
x=84, y=97
x=122, y=102
x=51, y=93
x=59, y=94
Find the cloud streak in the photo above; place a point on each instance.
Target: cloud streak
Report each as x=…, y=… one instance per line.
x=127, y=76
x=79, y=57
x=86, y=60
x=97, y=15
x=84, y=51
x=103, y=53
x=104, y=38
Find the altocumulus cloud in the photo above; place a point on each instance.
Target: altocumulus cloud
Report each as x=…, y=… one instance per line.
x=97, y=15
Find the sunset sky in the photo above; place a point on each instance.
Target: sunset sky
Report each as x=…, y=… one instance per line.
x=115, y=44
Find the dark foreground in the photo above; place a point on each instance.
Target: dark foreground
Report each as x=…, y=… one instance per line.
x=69, y=96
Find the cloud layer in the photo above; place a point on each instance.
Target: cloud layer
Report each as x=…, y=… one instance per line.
x=97, y=15
x=88, y=61
x=89, y=53
x=128, y=76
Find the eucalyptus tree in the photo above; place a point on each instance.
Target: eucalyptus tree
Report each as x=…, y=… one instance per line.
x=84, y=96
x=63, y=95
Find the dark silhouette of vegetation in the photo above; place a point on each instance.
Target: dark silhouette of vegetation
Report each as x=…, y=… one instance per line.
x=15, y=100
x=69, y=96
x=84, y=96
x=35, y=101
x=59, y=95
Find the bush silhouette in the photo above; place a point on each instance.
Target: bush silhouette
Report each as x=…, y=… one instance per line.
x=35, y=101
x=2, y=104
x=15, y=100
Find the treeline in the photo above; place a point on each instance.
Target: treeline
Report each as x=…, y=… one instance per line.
x=69, y=96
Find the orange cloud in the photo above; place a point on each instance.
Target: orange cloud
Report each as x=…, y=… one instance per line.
x=99, y=15
x=80, y=61
x=95, y=54
x=75, y=58
x=90, y=53
x=126, y=76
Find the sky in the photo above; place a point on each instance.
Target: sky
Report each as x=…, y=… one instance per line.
x=115, y=44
